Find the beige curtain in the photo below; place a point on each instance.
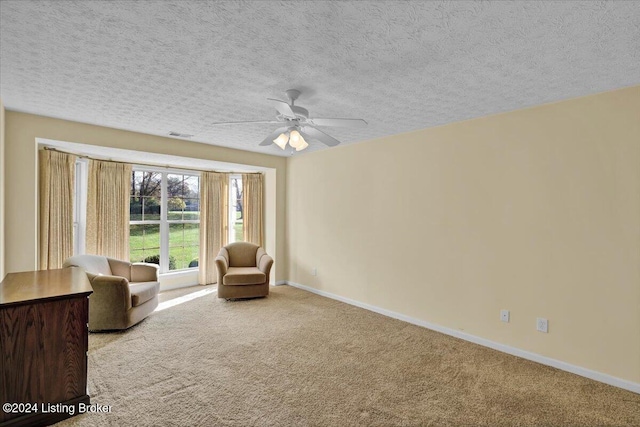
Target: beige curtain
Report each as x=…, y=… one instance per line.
x=252, y=208
x=108, y=209
x=57, y=179
x=214, y=190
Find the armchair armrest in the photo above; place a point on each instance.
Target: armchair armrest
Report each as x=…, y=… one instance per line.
x=221, y=267
x=265, y=265
x=111, y=293
x=144, y=272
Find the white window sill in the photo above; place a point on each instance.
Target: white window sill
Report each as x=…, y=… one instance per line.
x=178, y=273
x=178, y=279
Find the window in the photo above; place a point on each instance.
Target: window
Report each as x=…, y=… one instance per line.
x=236, y=231
x=183, y=217
x=165, y=219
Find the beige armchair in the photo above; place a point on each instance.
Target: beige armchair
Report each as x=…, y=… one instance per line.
x=243, y=271
x=123, y=293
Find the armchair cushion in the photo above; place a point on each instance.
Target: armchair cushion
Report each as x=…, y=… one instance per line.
x=243, y=276
x=143, y=292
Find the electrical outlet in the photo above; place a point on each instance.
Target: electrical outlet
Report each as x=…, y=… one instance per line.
x=504, y=315
x=542, y=324
x=314, y=271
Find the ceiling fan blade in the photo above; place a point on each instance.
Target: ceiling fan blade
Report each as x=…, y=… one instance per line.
x=244, y=122
x=311, y=132
x=269, y=140
x=283, y=108
x=347, y=123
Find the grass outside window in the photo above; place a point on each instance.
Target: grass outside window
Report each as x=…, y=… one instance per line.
x=184, y=239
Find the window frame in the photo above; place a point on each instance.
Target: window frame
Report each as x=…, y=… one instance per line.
x=164, y=222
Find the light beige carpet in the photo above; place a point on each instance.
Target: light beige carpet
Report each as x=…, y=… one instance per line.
x=298, y=359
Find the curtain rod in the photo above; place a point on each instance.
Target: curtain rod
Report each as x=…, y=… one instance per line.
x=143, y=164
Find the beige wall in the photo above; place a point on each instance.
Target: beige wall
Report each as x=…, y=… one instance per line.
x=2, y=191
x=21, y=172
x=536, y=211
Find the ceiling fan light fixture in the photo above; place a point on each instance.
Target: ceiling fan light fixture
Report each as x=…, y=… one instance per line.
x=302, y=145
x=295, y=139
x=281, y=140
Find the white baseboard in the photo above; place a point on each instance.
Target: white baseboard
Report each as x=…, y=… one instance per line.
x=280, y=282
x=584, y=372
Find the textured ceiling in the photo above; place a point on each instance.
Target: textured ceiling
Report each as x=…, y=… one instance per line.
x=160, y=66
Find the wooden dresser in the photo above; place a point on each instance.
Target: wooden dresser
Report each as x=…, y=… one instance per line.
x=43, y=345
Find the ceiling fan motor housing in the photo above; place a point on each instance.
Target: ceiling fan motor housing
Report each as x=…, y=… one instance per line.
x=292, y=94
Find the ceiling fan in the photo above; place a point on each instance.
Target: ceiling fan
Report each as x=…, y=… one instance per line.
x=297, y=127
